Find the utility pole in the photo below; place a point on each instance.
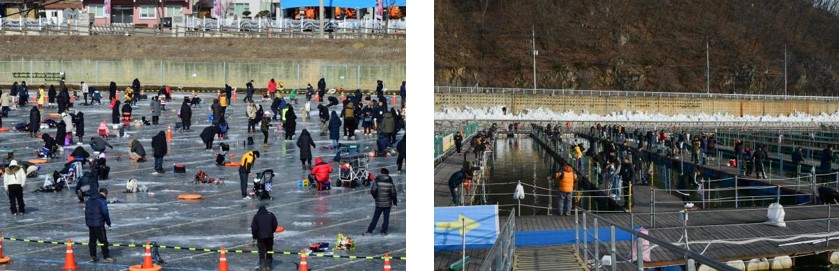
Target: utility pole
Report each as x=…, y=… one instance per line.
x=535, y=53
x=321, y=19
x=707, y=68
x=785, y=70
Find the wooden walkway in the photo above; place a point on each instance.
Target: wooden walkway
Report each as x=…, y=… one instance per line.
x=548, y=258
x=707, y=228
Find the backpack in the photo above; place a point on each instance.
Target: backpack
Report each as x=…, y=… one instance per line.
x=349, y=113
x=88, y=184
x=219, y=159
x=250, y=141
x=131, y=186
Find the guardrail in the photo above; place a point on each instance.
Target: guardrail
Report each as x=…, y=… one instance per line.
x=440, y=149
x=257, y=27
x=620, y=93
x=500, y=256
x=634, y=260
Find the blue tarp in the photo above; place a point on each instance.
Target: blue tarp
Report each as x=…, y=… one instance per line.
x=338, y=3
x=564, y=237
x=481, y=226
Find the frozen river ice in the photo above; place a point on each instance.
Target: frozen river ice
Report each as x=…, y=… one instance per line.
x=222, y=218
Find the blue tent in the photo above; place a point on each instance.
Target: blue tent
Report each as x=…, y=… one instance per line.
x=338, y=3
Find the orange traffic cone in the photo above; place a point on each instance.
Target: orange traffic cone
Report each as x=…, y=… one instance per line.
x=393, y=99
x=169, y=134
x=222, y=260
x=148, y=264
x=303, y=265
x=3, y=259
x=387, y=262
x=69, y=259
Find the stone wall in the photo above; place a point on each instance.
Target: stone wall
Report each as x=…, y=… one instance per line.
x=608, y=104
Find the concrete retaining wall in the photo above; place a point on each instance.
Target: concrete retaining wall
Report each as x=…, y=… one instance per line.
x=294, y=74
x=608, y=104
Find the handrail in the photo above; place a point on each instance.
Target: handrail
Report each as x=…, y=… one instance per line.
x=689, y=255
x=500, y=256
x=623, y=93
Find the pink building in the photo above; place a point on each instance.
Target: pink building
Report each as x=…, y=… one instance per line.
x=136, y=12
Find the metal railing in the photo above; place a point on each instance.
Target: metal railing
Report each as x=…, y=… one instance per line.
x=621, y=93
x=193, y=26
x=440, y=149
x=590, y=249
x=500, y=256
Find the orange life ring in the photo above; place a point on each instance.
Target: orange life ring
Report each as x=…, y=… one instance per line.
x=5, y=260
x=189, y=196
x=279, y=229
x=38, y=161
x=231, y=164
x=4, y=129
x=54, y=115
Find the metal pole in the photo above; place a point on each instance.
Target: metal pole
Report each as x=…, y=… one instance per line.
x=321, y=21
x=707, y=68
x=614, y=260
x=585, y=239
x=827, y=238
x=736, y=196
x=534, y=53
x=224, y=67
x=785, y=71
x=462, y=237
x=639, y=254
x=778, y=195
x=161, y=72
x=577, y=230
x=596, y=245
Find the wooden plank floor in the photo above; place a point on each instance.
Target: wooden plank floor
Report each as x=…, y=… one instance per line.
x=548, y=258
x=707, y=227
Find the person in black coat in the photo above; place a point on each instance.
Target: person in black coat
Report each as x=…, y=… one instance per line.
x=158, y=144
x=305, y=143
x=78, y=121
x=80, y=154
x=34, y=121
x=63, y=100
x=797, y=157
x=61, y=133
x=402, y=93
x=186, y=114
x=826, y=158
x=112, y=91
x=135, y=85
x=334, y=129
x=401, y=149
x=321, y=89
x=290, y=122
x=217, y=113
x=49, y=144
x=51, y=95
x=263, y=225
x=380, y=90
x=384, y=194
x=115, y=112
x=323, y=112
x=207, y=135
x=126, y=113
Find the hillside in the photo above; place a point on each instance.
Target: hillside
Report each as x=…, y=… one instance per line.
x=646, y=45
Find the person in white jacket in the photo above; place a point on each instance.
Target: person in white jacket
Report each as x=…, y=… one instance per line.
x=13, y=181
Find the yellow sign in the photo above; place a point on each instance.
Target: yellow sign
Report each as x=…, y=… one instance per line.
x=461, y=224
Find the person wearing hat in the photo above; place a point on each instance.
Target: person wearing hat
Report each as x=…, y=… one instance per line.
x=263, y=225
x=245, y=166
x=14, y=179
x=96, y=216
x=384, y=192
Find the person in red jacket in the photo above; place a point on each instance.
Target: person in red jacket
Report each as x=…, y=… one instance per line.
x=321, y=173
